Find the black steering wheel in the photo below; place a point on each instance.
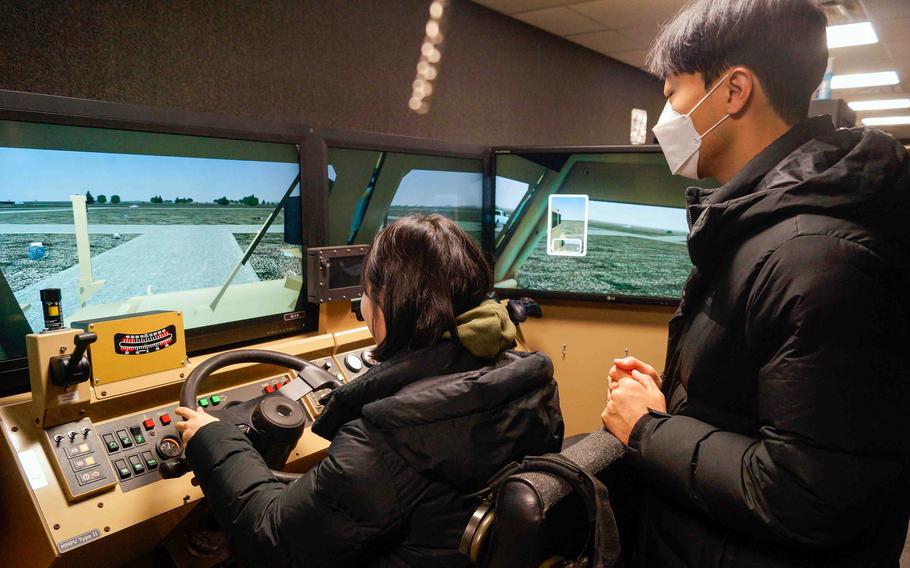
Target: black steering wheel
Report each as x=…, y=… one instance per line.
x=273, y=422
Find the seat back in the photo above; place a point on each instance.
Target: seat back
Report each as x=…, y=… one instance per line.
x=539, y=517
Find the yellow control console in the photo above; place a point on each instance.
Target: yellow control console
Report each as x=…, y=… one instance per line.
x=80, y=460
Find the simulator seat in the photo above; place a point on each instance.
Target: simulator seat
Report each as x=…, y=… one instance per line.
x=545, y=515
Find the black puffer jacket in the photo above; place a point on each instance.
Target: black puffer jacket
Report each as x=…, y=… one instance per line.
x=788, y=371
x=409, y=439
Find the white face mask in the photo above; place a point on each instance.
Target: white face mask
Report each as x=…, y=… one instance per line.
x=678, y=138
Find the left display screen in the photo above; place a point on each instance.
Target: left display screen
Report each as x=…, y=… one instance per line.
x=125, y=222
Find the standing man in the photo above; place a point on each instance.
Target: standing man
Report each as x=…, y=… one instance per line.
x=780, y=434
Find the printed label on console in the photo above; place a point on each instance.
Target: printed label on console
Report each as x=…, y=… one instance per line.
x=78, y=541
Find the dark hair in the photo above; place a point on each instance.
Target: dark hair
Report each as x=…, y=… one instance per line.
x=784, y=42
x=422, y=271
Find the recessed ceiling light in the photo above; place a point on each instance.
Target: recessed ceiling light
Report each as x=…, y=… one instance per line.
x=886, y=120
x=851, y=34
x=858, y=80
x=886, y=104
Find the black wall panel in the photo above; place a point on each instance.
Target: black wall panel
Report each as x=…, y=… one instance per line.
x=335, y=63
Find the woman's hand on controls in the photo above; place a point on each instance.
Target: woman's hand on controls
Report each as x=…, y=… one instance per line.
x=193, y=420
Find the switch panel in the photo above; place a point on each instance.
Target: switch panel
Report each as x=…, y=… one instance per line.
x=80, y=459
x=355, y=364
x=134, y=443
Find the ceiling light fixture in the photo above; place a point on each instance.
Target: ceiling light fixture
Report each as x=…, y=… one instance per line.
x=430, y=56
x=858, y=80
x=885, y=104
x=847, y=35
x=886, y=120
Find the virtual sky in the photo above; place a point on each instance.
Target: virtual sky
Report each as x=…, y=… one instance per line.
x=509, y=192
x=53, y=175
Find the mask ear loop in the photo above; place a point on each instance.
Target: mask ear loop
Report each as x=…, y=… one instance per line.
x=716, y=124
x=703, y=99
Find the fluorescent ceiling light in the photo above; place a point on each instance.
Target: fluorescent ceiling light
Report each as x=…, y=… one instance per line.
x=858, y=80
x=886, y=104
x=851, y=34
x=886, y=120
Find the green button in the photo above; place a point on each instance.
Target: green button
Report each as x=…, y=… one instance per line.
x=216, y=400
x=124, y=472
x=152, y=463
x=203, y=402
x=140, y=439
x=138, y=467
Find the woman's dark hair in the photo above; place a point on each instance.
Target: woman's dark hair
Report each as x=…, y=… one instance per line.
x=423, y=271
x=784, y=42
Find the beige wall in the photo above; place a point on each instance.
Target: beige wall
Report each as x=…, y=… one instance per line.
x=593, y=334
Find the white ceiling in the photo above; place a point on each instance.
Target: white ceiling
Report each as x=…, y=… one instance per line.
x=624, y=29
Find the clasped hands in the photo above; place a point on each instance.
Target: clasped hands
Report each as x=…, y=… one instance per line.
x=634, y=388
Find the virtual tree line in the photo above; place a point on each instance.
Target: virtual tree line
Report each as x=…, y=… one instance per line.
x=249, y=200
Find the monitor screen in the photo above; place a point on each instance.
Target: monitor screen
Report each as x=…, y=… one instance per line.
x=369, y=189
x=344, y=271
x=606, y=223
x=126, y=221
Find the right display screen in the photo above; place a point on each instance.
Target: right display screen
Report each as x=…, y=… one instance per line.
x=609, y=223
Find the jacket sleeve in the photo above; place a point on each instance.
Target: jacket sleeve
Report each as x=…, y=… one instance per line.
x=830, y=338
x=332, y=516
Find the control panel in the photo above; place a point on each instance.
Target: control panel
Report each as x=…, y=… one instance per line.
x=357, y=362
x=353, y=365
x=83, y=459
x=137, y=444
x=80, y=460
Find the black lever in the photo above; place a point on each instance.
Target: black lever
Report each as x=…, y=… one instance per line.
x=68, y=370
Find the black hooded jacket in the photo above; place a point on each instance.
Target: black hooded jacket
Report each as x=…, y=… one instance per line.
x=410, y=440
x=788, y=370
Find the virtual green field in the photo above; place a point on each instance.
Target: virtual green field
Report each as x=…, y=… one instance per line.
x=621, y=265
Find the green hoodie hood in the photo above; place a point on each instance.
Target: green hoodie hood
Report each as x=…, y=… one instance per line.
x=486, y=331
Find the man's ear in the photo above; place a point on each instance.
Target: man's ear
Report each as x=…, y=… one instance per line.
x=740, y=84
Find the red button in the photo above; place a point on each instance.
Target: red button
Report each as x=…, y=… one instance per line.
x=149, y=424
x=165, y=419
x=277, y=385
x=269, y=389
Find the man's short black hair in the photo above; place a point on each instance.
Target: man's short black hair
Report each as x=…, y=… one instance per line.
x=423, y=271
x=783, y=42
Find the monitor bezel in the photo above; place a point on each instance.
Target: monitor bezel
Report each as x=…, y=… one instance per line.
x=558, y=295
x=50, y=109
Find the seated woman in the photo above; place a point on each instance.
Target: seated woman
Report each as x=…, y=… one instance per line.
x=446, y=408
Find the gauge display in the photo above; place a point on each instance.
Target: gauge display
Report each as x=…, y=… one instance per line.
x=169, y=447
x=142, y=343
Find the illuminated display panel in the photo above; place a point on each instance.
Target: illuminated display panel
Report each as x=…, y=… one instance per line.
x=636, y=228
x=368, y=189
x=127, y=221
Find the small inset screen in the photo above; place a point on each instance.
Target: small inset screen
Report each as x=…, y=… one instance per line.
x=344, y=271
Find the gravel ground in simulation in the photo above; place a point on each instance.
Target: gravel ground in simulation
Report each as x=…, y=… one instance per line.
x=20, y=270
x=268, y=260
